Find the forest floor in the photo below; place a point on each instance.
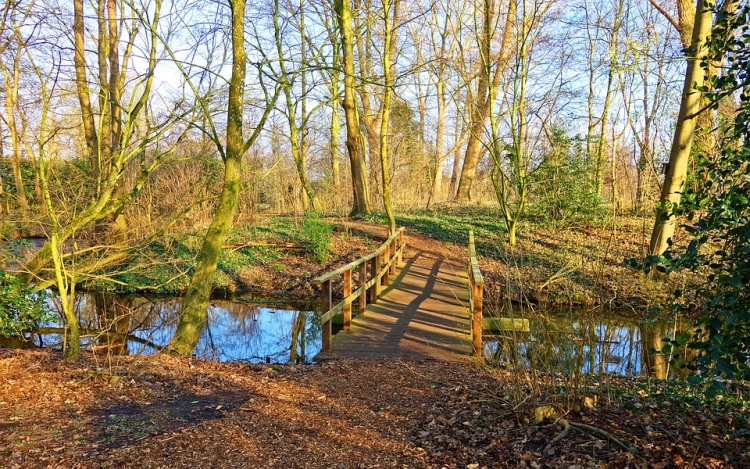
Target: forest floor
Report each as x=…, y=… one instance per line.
x=159, y=411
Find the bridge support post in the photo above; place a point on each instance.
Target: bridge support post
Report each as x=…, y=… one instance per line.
x=362, y=282
x=374, y=270
x=476, y=291
x=326, y=326
x=394, y=259
x=400, y=248
x=348, y=306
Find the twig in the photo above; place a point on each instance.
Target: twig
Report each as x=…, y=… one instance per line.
x=585, y=429
x=416, y=373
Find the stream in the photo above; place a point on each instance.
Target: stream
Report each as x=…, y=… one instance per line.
x=274, y=331
x=237, y=330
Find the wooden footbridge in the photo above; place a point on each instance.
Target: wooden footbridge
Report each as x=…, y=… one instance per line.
x=425, y=308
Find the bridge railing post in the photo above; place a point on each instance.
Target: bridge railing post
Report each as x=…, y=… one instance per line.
x=325, y=288
x=374, y=271
x=348, y=306
x=384, y=262
x=361, y=284
x=476, y=318
x=392, y=258
x=400, y=248
x=476, y=292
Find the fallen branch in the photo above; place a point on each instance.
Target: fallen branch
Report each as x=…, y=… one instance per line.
x=274, y=244
x=560, y=435
x=582, y=427
x=585, y=429
x=548, y=413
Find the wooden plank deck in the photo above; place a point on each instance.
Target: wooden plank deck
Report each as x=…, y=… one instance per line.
x=422, y=315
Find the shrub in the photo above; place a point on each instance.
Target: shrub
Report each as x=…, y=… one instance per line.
x=20, y=308
x=318, y=235
x=562, y=189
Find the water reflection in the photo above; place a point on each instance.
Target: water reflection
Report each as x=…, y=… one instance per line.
x=586, y=343
x=236, y=330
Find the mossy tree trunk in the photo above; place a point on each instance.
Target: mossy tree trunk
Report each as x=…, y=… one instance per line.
x=196, y=300
x=195, y=303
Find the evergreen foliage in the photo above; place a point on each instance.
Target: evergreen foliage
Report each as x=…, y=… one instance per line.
x=718, y=220
x=20, y=308
x=562, y=187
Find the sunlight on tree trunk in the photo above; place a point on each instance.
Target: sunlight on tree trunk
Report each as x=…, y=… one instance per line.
x=354, y=143
x=482, y=106
x=389, y=48
x=296, y=131
x=674, y=181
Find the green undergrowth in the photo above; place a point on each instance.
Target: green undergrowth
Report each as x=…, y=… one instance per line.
x=20, y=307
x=452, y=225
x=165, y=266
x=578, y=262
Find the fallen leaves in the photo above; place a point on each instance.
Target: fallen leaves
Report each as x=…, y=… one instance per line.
x=166, y=412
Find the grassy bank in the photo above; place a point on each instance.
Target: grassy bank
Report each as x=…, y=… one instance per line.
x=579, y=264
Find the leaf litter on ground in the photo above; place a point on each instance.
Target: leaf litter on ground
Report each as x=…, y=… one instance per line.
x=161, y=411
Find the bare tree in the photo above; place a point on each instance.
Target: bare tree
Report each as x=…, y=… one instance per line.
x=287, y=78
x=196, y=301
x=690, y=107
x=354, y=141
x=481, y=105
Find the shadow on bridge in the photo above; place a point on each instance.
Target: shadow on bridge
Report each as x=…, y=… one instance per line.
x=421, y=315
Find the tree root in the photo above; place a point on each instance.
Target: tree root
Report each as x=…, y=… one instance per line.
x=566, y=429
x=585, y=429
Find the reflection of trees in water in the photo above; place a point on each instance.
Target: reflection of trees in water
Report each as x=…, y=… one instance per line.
x=109, y=321
x=582, y=344
x=246, y=332
x=297, y=346
x=113, y=314
x=658, y=362
x=235, y=330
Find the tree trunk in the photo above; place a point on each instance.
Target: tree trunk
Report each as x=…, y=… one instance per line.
x=674, y=181
x=354, y=143
x=335, y=130
x=482, y=106
x=195, y=303
x=437, y=182
x=389, y=43
x=11, y=101
x=456, y=160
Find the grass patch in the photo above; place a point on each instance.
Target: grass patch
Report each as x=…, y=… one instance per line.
x=165, y=266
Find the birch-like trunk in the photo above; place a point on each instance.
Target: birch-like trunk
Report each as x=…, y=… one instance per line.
x=679, y=156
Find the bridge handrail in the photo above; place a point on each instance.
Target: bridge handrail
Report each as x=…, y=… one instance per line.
x=380, y=271
x=476, y=292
